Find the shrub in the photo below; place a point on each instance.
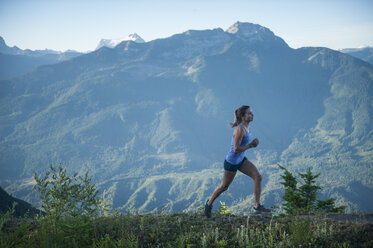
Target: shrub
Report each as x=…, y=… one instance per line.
x=223, y=209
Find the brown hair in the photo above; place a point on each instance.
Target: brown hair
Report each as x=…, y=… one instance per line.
x=238, y=114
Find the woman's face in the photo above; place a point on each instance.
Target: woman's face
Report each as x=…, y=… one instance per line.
x=249, y=116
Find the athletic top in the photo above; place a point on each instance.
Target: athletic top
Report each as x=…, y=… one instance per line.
x=236, y=158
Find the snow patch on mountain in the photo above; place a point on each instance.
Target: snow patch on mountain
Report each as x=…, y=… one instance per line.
x=111, y=43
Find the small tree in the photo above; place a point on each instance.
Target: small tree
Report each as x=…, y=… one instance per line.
x=303, y=199
x=70, y=203
x=292, y=197
x=63, y=195
x=308, y=190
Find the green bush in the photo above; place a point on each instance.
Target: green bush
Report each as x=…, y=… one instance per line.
x=71, y=204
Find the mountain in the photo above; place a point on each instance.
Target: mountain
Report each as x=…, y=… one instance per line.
x=15, y=61
x=364, y=53
x=111, y=43
x=149, y=121
x=9, y=50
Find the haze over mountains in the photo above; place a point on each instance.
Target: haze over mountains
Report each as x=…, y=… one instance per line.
x=150, y=120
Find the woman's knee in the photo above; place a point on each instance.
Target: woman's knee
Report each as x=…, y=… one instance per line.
x=258, y=177
x=223, y=187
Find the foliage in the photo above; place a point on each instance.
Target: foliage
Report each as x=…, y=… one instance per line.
x=308, y=190
x=16, y=237
x=104, y=206
x=303, y=199
x=64, y=195
x=300, y=230
x=223, y=209
x=5, y=217
x=291, y=195
x=328, y=206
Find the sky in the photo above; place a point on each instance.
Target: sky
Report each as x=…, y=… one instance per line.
x=80, y=24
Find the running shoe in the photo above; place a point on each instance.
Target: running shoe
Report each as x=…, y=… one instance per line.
x=261, y=210
x=208, y=209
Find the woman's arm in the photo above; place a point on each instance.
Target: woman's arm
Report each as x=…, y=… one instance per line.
x=238, y=136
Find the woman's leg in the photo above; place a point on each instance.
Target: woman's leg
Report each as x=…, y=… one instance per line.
x=227, y=179
x=249, y=169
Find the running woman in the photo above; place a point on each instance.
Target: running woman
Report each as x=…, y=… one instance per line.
x=236, y=160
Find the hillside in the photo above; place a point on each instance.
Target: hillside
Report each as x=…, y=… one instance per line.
x=149, y=121
x=21, y=207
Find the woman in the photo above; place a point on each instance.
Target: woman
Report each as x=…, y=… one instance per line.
x=236, y=160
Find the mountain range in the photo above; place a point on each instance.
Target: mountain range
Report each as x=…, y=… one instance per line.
x=28, y=60
x=15, y=61
x=149, y=121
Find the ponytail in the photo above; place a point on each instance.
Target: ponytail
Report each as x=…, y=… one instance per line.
x=238, y=114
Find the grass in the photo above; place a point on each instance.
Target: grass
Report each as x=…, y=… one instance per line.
x=187, y=230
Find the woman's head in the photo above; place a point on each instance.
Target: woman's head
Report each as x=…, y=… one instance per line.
x=239, y=115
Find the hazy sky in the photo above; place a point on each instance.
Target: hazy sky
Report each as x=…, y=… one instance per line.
x=80, y=24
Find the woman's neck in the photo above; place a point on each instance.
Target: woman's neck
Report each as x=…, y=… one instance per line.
x=246, y=124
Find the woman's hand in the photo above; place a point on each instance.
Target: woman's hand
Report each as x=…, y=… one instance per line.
x=254, y=143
